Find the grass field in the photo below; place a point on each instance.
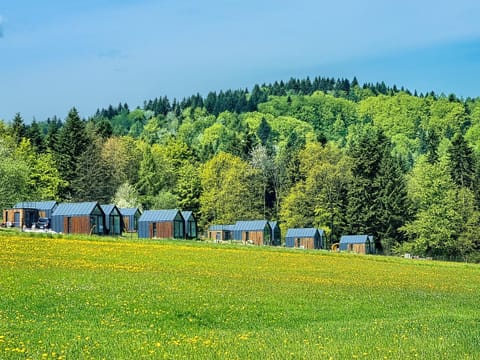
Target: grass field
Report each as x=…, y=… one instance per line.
x=65, y=298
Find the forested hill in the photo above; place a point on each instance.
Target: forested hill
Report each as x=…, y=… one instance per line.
x=322, y=153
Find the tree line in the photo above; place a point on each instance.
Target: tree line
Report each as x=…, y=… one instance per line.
x=325, y=153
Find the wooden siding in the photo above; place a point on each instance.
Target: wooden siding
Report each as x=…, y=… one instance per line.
x=220, y=235
x=77, y=225
x=161, y=230
x=126, y=223
x=255, y=237
x=304, y=243
x=358, y=248
x=20, y=217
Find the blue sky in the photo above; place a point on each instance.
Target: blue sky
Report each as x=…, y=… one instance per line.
x=92, y=53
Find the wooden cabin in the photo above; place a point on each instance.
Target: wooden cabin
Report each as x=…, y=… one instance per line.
x=20, y=217
x=161, y=224
x=221, y=232
x=78, y=218
x=305, y=238
x=360, y=244
x=256, y=232
x=45, y=208
x=190, y=225
x=130, y=218
x=113, y=220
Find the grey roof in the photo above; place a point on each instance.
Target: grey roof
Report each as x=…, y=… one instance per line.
x=221, y=227
x=75, y=209
x=186, y=214
x=252, y=225
x=303, y=232
x=128, y=211
x=159, y=215
x=40, y=205
x=355, y=239
x=107, y=209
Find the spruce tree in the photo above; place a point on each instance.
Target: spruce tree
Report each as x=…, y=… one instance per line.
x=462, y=162
x=19, y=130
x=94, y=177
x=377, y=194
x=34, y=134
x=72, y=143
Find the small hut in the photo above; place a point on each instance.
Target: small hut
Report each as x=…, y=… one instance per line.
x=79, y=218
x=305, y=238
x=360, y=244
x=221, y=232
x=256, y=232
x=161, y=224
x=20, y=217
x=113, y=220
x=276, y=234
x=190, y=225
x=130, y=218
x=45, y=208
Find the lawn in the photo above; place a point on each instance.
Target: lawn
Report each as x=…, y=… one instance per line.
x=68, y=298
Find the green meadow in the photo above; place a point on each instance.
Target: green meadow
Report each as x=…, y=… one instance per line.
x=73, y=298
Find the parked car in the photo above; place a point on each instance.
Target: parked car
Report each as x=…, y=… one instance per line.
x=43, y=223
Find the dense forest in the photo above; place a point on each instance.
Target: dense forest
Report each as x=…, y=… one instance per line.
x=348, y=158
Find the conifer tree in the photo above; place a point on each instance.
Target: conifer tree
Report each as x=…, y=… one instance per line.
x=72, y=143
x=461, y=162
x=377, y=202
x=19, y=130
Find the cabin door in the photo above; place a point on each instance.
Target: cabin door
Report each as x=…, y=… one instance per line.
x=16, y=219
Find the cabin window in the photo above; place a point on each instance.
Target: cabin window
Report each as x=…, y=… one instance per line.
x=154, y=230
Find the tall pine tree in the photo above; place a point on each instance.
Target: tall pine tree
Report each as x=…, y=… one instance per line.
x=377, y=197
x=72, y=143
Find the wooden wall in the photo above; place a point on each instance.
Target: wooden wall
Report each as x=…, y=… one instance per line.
x=358, y=248
x=78, y=225
x=256, y=237
x=25, y=217
x=305, y=243
x=164, y=230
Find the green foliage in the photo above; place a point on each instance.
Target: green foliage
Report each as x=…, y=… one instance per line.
x=94, y=180
x=319, y=200
x=462, y=163
x=377, y=195
x=126, y=196
x=72, y=143
x=229, y=193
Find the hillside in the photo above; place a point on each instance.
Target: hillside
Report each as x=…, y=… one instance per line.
x=333, y=154
x=70, y=298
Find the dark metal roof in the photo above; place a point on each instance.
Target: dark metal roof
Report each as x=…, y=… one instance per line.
x=129, y=211
x=107, y=209
x=75, y=209
x=187, y=214
x=355, y=239
x=159, y=215
x=252, y=225
x=39, y=205
x=302, y=232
